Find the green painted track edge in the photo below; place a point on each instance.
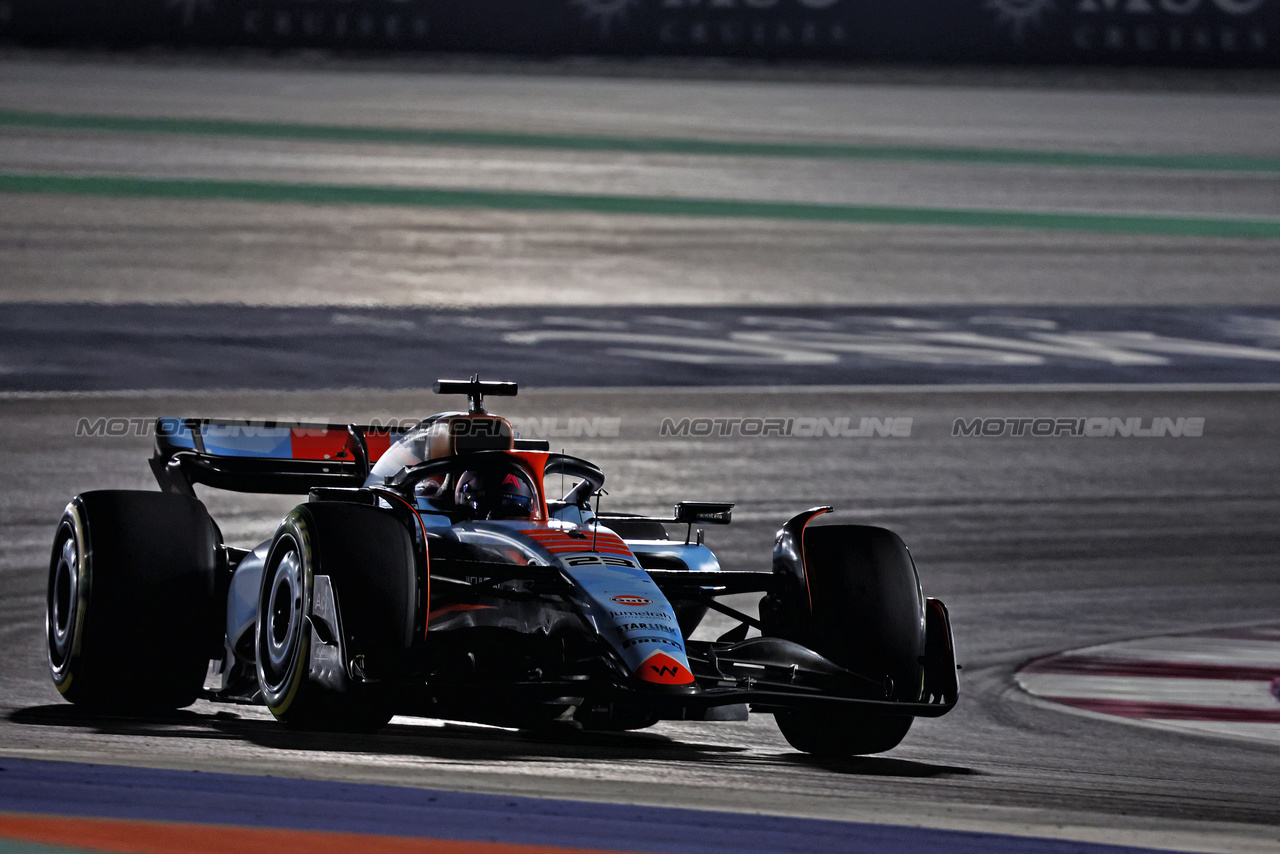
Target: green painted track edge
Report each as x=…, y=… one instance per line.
x=330, y=194
x=637, y=145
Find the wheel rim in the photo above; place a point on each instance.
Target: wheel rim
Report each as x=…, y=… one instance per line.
x=283, y=621
x=64, y=597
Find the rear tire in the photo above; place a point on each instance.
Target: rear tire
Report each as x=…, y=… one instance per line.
x=130, y=615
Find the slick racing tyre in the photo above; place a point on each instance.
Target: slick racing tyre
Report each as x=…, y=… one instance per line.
x=367, y=557
x=855, y=599
x=840, y=733
x=131, y=618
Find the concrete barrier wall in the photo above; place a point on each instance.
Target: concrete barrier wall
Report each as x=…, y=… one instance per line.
x=1165, y=32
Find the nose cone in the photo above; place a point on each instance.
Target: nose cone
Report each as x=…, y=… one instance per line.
x=662, y=669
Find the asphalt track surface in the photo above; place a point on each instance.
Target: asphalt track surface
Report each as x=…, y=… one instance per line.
x=1036, y=544
x=231, y=185
x=121, y=347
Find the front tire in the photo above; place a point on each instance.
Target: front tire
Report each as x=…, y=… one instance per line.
x=835, y=734
x=130, y=608
x=285, y=635
x=850, y=593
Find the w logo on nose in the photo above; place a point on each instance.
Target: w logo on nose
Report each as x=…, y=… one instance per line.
x=662, y=669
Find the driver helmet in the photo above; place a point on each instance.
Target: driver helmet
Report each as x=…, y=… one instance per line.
x=494, y=495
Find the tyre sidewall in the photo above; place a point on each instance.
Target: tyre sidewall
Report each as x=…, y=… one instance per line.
x=280, y=690
x=63, y=648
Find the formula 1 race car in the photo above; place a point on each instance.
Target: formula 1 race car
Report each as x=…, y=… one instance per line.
x=429, y=573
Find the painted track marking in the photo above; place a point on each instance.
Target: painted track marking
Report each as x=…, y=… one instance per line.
x=141, y=800
x=1223, y=682
x=636, y=145
x=123, y=186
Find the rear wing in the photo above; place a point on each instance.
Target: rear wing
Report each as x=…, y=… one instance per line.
x=289, y=458
x=278, y=457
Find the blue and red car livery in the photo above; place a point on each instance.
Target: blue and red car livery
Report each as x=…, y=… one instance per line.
x=430, y=573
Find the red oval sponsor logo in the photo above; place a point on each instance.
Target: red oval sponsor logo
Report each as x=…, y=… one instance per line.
x=633, y=601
